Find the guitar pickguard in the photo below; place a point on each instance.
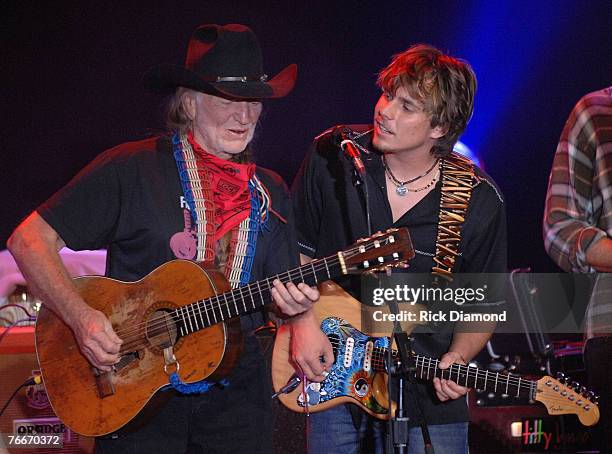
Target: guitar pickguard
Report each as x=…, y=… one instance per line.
x=349, y=375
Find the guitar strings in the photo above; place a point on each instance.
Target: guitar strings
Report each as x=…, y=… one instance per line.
x=133, y=334
x=455, y=368
x=517, y=382
x=379, y=361
x=209, y=304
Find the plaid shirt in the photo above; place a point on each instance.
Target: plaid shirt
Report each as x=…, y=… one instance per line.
x=578, y=208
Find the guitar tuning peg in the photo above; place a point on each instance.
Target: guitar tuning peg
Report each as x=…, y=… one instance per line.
x=590, y=395
x=595, y=399
x=560, y=376
x=583, y=391
x=575, y=385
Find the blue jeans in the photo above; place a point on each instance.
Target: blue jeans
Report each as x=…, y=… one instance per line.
x=332, y=431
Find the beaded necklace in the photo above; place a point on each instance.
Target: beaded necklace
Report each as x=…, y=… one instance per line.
x=400, y=186
x=198, y=194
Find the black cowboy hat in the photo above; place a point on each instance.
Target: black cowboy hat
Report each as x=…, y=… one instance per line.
x=223, y=60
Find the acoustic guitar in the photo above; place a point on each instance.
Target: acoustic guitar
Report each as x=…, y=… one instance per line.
x=359, y=376
x=179, y=318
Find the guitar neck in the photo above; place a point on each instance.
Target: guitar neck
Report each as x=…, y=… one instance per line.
x=470, y=377
x=251, y=297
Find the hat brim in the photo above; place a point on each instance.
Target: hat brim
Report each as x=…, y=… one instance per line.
x=164, y=79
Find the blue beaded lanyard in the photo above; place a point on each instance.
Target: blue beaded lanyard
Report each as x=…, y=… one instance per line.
x=239, y=270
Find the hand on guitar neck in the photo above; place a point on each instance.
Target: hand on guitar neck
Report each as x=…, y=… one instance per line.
x=465, y=346
x=448, y=389
x=291, y=300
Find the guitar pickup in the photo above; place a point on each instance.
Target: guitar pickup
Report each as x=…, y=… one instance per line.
x=348, y=352
x=367, y=361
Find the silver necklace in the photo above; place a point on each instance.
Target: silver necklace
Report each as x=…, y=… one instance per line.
x=400, y=186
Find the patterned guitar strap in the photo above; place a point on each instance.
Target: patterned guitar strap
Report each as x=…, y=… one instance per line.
x=198, y=193
x=458, y=179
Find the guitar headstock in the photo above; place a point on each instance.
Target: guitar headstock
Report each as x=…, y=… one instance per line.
x=383, y=250
x=561, y=399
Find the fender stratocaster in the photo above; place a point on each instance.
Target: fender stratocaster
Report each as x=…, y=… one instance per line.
x=358, y=374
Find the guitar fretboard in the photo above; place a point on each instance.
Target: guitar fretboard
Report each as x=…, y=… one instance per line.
x=471, y=377
x=254, y=296
x=249, y=298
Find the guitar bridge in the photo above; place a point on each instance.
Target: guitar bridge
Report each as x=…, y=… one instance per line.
x=104, y=382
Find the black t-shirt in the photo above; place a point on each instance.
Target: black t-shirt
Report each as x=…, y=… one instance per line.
x=130, y=201
x=330, y=214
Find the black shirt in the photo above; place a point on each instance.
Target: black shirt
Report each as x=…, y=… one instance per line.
x=330, y=215
x=130, y=201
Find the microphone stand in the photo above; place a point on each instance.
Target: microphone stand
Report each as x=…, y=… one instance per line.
x=399, y=426
x=402, y=370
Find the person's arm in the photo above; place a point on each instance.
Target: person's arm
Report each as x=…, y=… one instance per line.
x=599, y=255
x=311, y=350
x=571, y=236
x=310, y=347
x=35, y=245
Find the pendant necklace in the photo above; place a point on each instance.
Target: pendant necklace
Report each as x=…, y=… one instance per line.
x=400, y=186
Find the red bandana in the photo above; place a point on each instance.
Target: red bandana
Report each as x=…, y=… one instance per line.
x=230, y=185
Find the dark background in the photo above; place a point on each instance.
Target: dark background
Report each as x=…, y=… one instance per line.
x=71, y=85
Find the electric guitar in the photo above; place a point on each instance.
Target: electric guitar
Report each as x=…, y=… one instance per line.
x=358, y=374
x=179, y=318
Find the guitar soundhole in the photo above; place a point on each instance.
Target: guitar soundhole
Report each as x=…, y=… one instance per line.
x=161, y=329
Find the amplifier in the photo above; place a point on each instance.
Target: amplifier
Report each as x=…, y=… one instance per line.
x=30, y=411
x=522, y=426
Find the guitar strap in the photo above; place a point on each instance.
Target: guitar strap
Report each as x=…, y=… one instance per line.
x=458, y=179
x=197, y=187
x=196, y=182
